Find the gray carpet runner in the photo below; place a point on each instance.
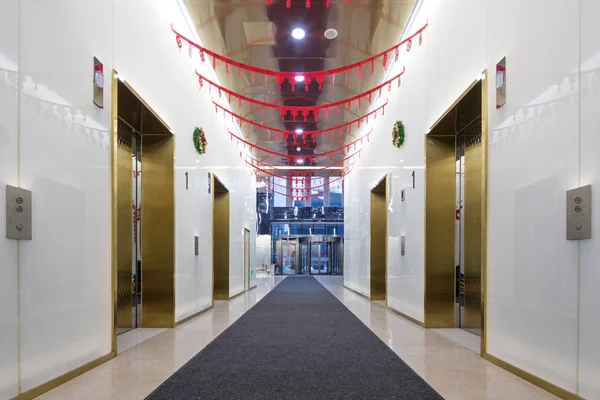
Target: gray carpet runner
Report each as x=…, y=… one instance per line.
x=298, y=342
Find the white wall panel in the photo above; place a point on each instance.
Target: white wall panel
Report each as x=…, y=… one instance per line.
x=589, y=344
x=532, y=269
x=534, y=144
x=8, y=175
x=147, y=57
x=65, y=160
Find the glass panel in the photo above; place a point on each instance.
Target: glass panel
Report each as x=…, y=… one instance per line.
x=314, y=258
x=289, y=258
x=305, y=259
x=324, y=259
x=279, y=200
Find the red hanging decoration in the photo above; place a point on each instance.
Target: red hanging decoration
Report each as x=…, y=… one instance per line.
x=384, y=61
x=359, y=71
x=227, y=69
x=288, y=3
x=306, y=133
x=178, y=40
x=408, y=45
x=420, y=38
x=328, y=3
x=307, y=4
x=396, y=54
x=200, y=81
x=190, y=50
x=202, y=55
x=289, y=74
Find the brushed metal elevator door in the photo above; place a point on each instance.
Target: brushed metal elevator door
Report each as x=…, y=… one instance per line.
x=124, y=229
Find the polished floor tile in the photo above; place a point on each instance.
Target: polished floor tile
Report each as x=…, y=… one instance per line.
x=137, y=371
x=136, y=336
x=443, y=359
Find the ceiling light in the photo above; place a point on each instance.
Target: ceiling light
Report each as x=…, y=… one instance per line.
x=298, y=33
x=299, y=78
x=298, y=149
x=299, y=131
x=299, y=161
x=330, y=33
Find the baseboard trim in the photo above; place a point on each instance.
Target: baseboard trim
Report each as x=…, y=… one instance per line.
x=410, y=319
x=550, y=387
x=357, y=292
x=45, y=387
x=241, y=293
x=186, y=319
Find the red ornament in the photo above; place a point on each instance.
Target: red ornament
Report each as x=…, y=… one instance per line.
x=408, y=45
x=178, y=40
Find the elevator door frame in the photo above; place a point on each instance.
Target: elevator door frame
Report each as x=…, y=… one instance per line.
x=157, y=225
x=440, y=301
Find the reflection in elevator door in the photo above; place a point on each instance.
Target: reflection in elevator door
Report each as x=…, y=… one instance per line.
x=128, y=247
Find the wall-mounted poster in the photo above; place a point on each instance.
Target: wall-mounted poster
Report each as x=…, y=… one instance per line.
x=98, y=83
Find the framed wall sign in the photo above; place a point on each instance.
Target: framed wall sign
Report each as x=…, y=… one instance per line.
x=501, y=83
x=98, y=83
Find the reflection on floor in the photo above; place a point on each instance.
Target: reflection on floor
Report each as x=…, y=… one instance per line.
x=136, y=336
x=455, y=371
x=462, y=337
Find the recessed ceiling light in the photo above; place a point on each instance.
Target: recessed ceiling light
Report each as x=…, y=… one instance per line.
x=299, y=161
x=298, y=33
x=298, y=149
x=299, y=78
x=330, y=33
x=299, y=131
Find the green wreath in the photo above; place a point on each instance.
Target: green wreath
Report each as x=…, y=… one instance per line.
x=200, y=141
x=398, y=134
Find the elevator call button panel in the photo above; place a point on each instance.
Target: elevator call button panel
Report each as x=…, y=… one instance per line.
x=579, y=213
x=18, y=213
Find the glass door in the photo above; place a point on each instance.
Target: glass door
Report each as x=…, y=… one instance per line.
x=324, y=264
x=288, y=255
x=304, y=257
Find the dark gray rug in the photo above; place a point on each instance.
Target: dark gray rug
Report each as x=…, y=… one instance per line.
x=298, y=342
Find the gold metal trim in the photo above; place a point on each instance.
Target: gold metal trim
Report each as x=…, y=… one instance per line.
x=45, y=387
x=113, y=230
x=221, y=236
x=440, y=206
x=158, y=231
x=378, y=238
x=191, y=317
x=401, y=314
x=458, y=99
x=141, y=99
x=550, y=387
x=484, y=206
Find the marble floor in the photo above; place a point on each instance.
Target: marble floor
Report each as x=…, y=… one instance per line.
x=136, y=336
x=444, y=358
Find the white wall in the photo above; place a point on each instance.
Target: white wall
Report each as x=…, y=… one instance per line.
x=263, y=251
x=64, y=296
x=535, y=307
x=9, y=54
x=148, y=58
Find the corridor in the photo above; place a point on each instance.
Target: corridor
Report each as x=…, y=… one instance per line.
x=442, y=358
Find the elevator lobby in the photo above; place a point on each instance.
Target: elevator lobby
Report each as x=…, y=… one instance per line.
x=299, y=199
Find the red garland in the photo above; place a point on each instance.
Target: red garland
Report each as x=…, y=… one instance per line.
x=295, y=157
x=313, y=134
x=305, y=193
x=314, y=76
x=304, y=111
x=311, y=171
